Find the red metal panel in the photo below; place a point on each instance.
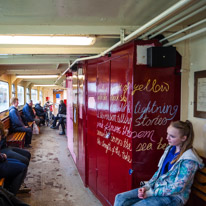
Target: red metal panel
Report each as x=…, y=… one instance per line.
x=91, y=126
x=70, y=118
x=156, y=93
x=103, y=75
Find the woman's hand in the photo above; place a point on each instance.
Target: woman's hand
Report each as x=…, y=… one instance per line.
x=141, y=193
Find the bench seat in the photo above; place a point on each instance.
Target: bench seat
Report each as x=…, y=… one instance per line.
x=15, y=138
x=2, y=182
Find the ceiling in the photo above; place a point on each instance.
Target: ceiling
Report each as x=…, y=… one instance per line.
x=105, y=19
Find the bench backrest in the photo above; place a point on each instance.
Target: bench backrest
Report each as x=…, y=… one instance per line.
x=199, y=185
x=6, y=123
x=198, y=191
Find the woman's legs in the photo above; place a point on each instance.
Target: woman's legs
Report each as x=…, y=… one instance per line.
x=159, y=201
x=127, y=198
x=130, y=198
x=14, y=173
x=17, y=153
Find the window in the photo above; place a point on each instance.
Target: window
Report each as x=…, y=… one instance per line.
x=13, y=90
x=27, y=95
x=40, y=96
x=20, y=93
x=4, y=96
x=34, y=95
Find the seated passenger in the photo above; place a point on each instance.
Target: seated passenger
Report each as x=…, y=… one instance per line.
x=22, y=155
x=40, y=112
x=171, y=184
x=13, y=171
x=60, y=116
x=16, y=122
x=29, y=113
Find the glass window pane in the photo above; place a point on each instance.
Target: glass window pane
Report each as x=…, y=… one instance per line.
x=40, y=96
x=27, y=95
x=20, y=92
x=4, y=96
x=34, y=95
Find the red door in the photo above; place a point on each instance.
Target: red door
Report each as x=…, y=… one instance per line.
x=91, y=127
x=120, y=122
x=103, y=79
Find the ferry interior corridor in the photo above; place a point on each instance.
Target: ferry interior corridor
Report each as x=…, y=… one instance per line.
x=89, y=88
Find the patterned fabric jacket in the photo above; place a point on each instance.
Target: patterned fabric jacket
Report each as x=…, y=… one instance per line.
x=178, y=180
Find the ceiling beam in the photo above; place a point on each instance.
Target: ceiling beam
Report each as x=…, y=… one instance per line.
x=51, y=50
x=36, y=59
x=65, y=30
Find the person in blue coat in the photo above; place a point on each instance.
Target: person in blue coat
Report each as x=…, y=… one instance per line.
x=28, y=111
x=16, y=123
x=29, y=114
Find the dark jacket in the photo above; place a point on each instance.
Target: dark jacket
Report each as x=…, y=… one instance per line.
x=62, y=109
x=28, y=113
x=15, y=118
x=39, y=110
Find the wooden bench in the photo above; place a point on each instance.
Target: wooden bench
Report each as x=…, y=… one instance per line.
x=2, y=182
x=198, y=192
x=16, y=138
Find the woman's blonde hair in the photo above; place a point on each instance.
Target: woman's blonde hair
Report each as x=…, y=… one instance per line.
x=185, y=129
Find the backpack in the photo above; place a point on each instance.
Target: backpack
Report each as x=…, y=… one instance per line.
x=8, y=199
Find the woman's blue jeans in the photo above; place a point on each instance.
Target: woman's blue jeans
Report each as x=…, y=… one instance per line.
x=130, y=198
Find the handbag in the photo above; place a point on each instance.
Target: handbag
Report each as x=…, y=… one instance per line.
x=35, y=129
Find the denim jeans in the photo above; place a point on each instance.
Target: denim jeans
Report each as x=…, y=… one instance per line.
x=18, y=154
x=14, y=173
x=130, y=198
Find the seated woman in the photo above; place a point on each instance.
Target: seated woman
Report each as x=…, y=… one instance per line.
x=22, y=155
x=13, y=171
x=16, y=122
x=171, y=184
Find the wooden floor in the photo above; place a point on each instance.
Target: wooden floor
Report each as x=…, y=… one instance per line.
x=52, y=175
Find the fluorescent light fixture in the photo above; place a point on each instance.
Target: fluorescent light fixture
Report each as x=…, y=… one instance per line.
x=36, y=76
x=47, y=40
x=45, y=85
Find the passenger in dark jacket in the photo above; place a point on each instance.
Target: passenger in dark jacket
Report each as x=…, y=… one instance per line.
x=29, y=114
x=61, y=117
x=40, y=112
x=16, y=122
x=28, y=111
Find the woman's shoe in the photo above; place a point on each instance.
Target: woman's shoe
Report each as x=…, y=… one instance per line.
x=24, y=189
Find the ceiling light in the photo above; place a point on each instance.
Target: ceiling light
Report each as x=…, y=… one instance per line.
x=45, y=85
x=36, y=76
x=47, y=40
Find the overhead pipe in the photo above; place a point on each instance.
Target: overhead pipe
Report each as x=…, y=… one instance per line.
x=183, y=30
x=186, y=37
x=176, y=17
x=179, y=21
x=134, y=34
